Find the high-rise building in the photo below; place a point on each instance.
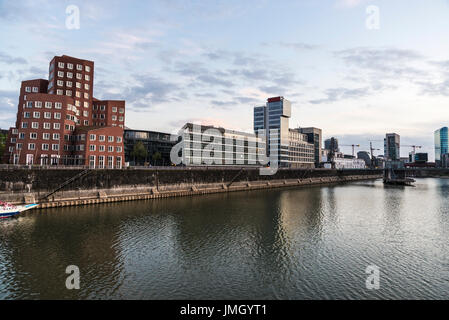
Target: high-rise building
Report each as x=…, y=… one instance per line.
x=441, y=144
x=291, y=147
x=392, y=145
x=314, y=136
x=328, y=144
x=54, y=120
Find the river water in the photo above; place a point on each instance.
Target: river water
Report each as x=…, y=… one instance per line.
x=295, y=243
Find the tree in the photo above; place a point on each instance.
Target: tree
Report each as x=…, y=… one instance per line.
x=139, y=151
x=156, y=157
x=2, y=145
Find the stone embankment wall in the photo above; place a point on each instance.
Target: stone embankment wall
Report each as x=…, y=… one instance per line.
x=97, y=186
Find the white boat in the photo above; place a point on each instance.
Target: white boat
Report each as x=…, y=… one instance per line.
x=8, y=210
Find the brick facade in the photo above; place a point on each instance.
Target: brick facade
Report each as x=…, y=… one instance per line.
x=52, y=114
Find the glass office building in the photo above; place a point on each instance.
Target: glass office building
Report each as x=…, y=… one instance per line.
x=441, y=144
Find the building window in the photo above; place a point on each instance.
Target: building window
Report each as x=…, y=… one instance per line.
x=58, y=105
x=69, y=75
x=78, y=94
x=19, y=146
x=114, y=118
x=92, y=162
x=101, y=162
x=122, y=110
x=29, y=104
x=101, y=148
x=78, y=85
x=47, y=115
x=114, y=109
x=86, y=122
x=45, y=146
x=92, y=147
x=38, y=104
x=60, y=83
x=68, y=84
x=69, y=66
x=61, y=65
x=60, y=74
x=55, y=147
x=21, y=135
x=35, y=89
x=56, y=126
x=86, y=104
x=59, y=92
x=110, y=162
x=118, y=149
x=33, y=135
x=46, y=136
x=101, y=138
x=47, y=125
x=120, y=119
x=48, y=105
x=27, y=114
x=24, y=125
x=110, y=149
x=110, y=139
x=35, y=125
x=86, y=95
x=31, y=146
x=119, y=139
x=87, y=69
x=68, y=93
x=36, y=115
x=92, y=137
x=86, y=86
x=55, y=136
x=79, y=67
x=57, y=115
x=27, y=89
x=118, y=162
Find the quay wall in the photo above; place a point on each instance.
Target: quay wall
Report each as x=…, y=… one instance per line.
x=20, y=186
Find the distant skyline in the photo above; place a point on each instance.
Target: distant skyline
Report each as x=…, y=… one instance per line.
x=211, y=62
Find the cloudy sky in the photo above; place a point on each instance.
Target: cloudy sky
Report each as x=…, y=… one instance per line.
x=211, y=62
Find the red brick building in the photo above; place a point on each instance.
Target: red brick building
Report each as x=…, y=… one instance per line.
x=57, y=117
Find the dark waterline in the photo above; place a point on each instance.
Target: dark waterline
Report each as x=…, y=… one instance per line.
x=298, y=243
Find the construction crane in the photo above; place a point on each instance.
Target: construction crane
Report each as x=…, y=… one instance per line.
x=372, y=153
x=413, y=146
x=353, y=147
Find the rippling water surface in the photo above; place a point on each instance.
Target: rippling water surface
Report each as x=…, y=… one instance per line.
x=299, y=243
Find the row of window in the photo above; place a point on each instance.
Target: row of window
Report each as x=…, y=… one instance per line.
x=93, y=137
x=102, y=124
x=37, y=115
x=103, y=116
x=78, y=76
x=103, y=108
x=102, y=148
x=47, y=104
x=32, y=146
x=45, y=125
x=70, y=66
x=101, y=164
x=34, y=89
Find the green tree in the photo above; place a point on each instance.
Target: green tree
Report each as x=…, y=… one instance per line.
x=139, y=151
x=2, y=145
x=157, y=156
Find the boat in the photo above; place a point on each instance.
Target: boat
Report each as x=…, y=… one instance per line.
x=8, y=210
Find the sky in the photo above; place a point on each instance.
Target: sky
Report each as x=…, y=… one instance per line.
x=356, y=69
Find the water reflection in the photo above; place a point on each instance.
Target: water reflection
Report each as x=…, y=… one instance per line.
x=296, y=243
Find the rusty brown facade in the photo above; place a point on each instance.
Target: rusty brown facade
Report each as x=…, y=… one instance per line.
x=57, y=117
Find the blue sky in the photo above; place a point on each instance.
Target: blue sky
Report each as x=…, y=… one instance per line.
x=211, y=62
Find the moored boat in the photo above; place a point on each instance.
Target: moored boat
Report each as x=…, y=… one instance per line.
x=8, y=210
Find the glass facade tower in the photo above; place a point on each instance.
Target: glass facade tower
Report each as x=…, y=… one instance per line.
x=441, y=144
